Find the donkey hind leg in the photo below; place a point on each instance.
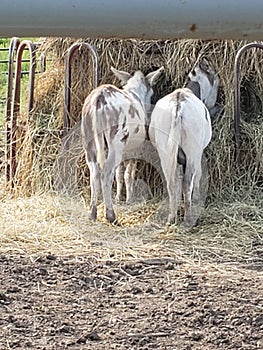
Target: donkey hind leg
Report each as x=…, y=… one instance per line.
x=179, y=179
x=197, y=197
x=129, y=177
x=191, y=192
x=119, y=175
x=201, y=182
x=169, y=170
x=107, y=176
x=95, y=188
x=187, y=193
x=197, y=184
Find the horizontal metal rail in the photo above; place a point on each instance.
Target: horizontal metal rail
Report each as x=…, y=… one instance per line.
x=155, y=19
x=26, y=72
x=26, y=60
x=6, y=61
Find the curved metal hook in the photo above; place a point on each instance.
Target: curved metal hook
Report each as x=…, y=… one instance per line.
x=95, y=59
x=14, y=44
x=16, y=99
x=237, y=94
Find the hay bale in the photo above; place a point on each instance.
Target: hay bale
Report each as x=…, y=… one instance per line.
x=42, y=142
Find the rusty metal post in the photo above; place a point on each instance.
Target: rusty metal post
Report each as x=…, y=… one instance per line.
x=237, y=117
x=12, y=49
x=43, y=62
x=16, y=99
x=67, y=96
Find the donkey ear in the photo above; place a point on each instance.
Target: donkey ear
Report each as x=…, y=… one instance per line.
x=123, y=76
x=153, y=76
x=205, y=65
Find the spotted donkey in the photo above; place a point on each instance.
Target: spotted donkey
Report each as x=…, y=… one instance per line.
x=113, y=122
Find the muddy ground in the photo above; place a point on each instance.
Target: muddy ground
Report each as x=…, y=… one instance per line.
x=82, y=303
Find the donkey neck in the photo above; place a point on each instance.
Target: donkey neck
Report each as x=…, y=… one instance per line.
x=208, y=95
x=195, y=88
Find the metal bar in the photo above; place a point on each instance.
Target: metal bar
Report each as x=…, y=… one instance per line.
x=12, y=49
x=16, y=100
x=237, y=119
x=23, y=61
x=148, y=19
x=7, y=49
x=24, y=72
x=43, y=62
x=67, y=92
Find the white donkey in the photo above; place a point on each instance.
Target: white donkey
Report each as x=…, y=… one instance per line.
x=180, y=129
x=113, y=122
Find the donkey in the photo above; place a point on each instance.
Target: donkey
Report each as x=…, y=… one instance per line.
x=113, y=122
x=180, y=129
x=125, y=173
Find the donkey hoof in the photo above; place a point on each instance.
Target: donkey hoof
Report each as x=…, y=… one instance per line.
x=171, y=221
x=110, y=216
x=93, y=214
x=189, y=223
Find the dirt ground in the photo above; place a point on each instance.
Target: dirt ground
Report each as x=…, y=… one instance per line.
x=82, y=303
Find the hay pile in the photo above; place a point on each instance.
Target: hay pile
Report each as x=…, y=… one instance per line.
x=42, y=141
x=41, y=151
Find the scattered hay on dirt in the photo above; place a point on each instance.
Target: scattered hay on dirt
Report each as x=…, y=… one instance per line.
x=230, y=229
x=69, y=282
x=38, y=225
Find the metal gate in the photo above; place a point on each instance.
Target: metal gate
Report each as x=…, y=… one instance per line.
x=16, y=50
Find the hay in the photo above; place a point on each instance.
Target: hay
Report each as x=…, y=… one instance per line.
x=230, y=233
x=230, y=229
x=42, y=224
x=42, y=143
